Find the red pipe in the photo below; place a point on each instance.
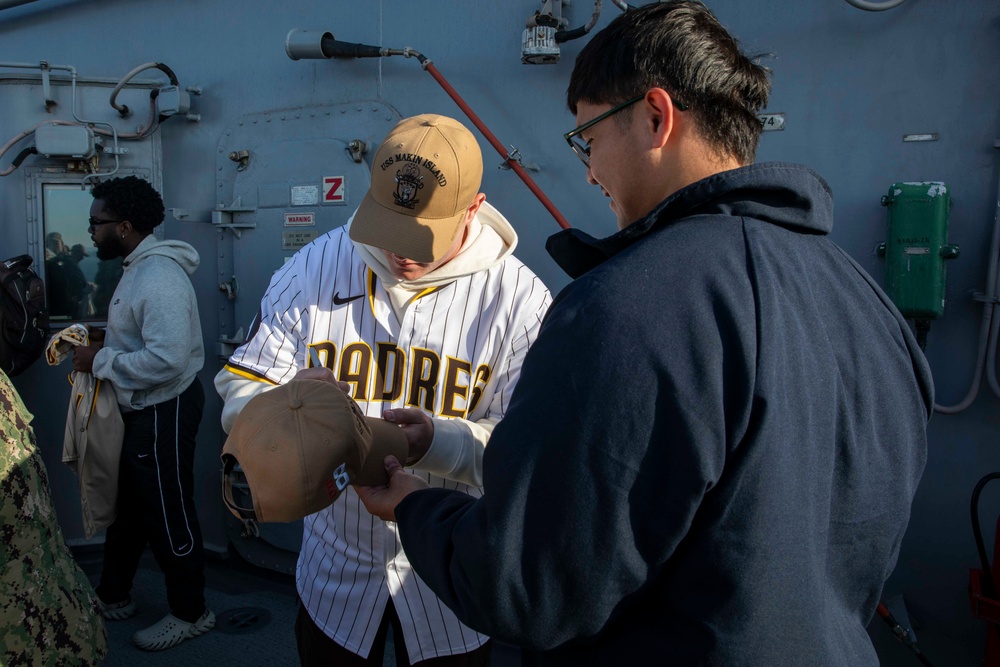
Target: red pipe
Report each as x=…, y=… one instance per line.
x=514, y=164
x=333, y=48
x=901, y=633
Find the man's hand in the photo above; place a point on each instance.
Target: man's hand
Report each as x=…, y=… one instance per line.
x=322, y=373
x=83, y=358
x=382, y=500
x=419, y=430
x=96, y=337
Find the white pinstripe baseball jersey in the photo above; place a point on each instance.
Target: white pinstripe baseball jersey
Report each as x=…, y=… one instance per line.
x=456, y=353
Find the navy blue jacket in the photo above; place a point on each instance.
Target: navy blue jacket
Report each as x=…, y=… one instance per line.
x=711, y=453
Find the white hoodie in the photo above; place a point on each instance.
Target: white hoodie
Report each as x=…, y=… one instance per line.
x=456, y=451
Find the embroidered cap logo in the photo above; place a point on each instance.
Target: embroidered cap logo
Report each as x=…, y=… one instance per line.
x=408, y=181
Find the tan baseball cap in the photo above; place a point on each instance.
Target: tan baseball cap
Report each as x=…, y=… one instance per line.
x=425, y=176
x=299, y=446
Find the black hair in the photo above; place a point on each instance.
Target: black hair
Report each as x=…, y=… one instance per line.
x=133, y=199
x=679, y=46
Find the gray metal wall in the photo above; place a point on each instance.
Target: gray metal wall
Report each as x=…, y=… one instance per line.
x=850, y=82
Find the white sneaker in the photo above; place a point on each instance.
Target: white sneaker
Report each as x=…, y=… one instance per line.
x=171, y=631
x=117, y=611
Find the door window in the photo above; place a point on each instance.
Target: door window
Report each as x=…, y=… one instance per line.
x=78, y=285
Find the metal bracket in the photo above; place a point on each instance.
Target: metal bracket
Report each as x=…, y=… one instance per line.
x=979, y=296
x=228, y=344
x=515, y=156
x=50, y=103
x=230, y=287
x=250, y=528
x=357, y=148
x=185, y=215
x=221, y=217
x=242, y=157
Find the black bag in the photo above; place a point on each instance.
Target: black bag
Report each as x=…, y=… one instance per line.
x=24, y=321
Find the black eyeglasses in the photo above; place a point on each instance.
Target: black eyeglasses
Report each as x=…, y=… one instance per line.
x=94, y=222
x=582, y=147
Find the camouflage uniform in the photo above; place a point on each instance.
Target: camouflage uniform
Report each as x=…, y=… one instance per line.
x=48, y=610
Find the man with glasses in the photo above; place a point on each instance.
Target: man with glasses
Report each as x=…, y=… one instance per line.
x=151, y=354
x=712, y=451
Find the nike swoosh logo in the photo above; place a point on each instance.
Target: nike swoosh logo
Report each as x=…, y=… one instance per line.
x=340, y=302
x=142, y=456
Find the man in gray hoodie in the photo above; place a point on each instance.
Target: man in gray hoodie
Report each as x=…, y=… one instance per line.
x=151, y=354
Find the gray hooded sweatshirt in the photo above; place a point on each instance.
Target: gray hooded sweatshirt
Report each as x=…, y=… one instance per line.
x=153, y=346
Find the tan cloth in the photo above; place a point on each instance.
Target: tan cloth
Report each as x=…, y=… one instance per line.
x=92, y=447
x=92, y=444
x=63, y=342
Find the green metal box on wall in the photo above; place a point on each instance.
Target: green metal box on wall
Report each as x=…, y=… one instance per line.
x=916, y=247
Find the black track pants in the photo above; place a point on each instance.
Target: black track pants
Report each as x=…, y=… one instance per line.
x=156, y=505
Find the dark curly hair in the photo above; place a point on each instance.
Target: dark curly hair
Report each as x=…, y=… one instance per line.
x=133, y=199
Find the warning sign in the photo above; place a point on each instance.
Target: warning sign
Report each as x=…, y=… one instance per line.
x=333, y=190
x=300, y=219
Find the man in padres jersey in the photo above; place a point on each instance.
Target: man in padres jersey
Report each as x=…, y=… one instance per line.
x=420, y=307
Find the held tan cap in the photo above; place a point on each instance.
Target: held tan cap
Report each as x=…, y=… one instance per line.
x=425, y=176
x=299, y=446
